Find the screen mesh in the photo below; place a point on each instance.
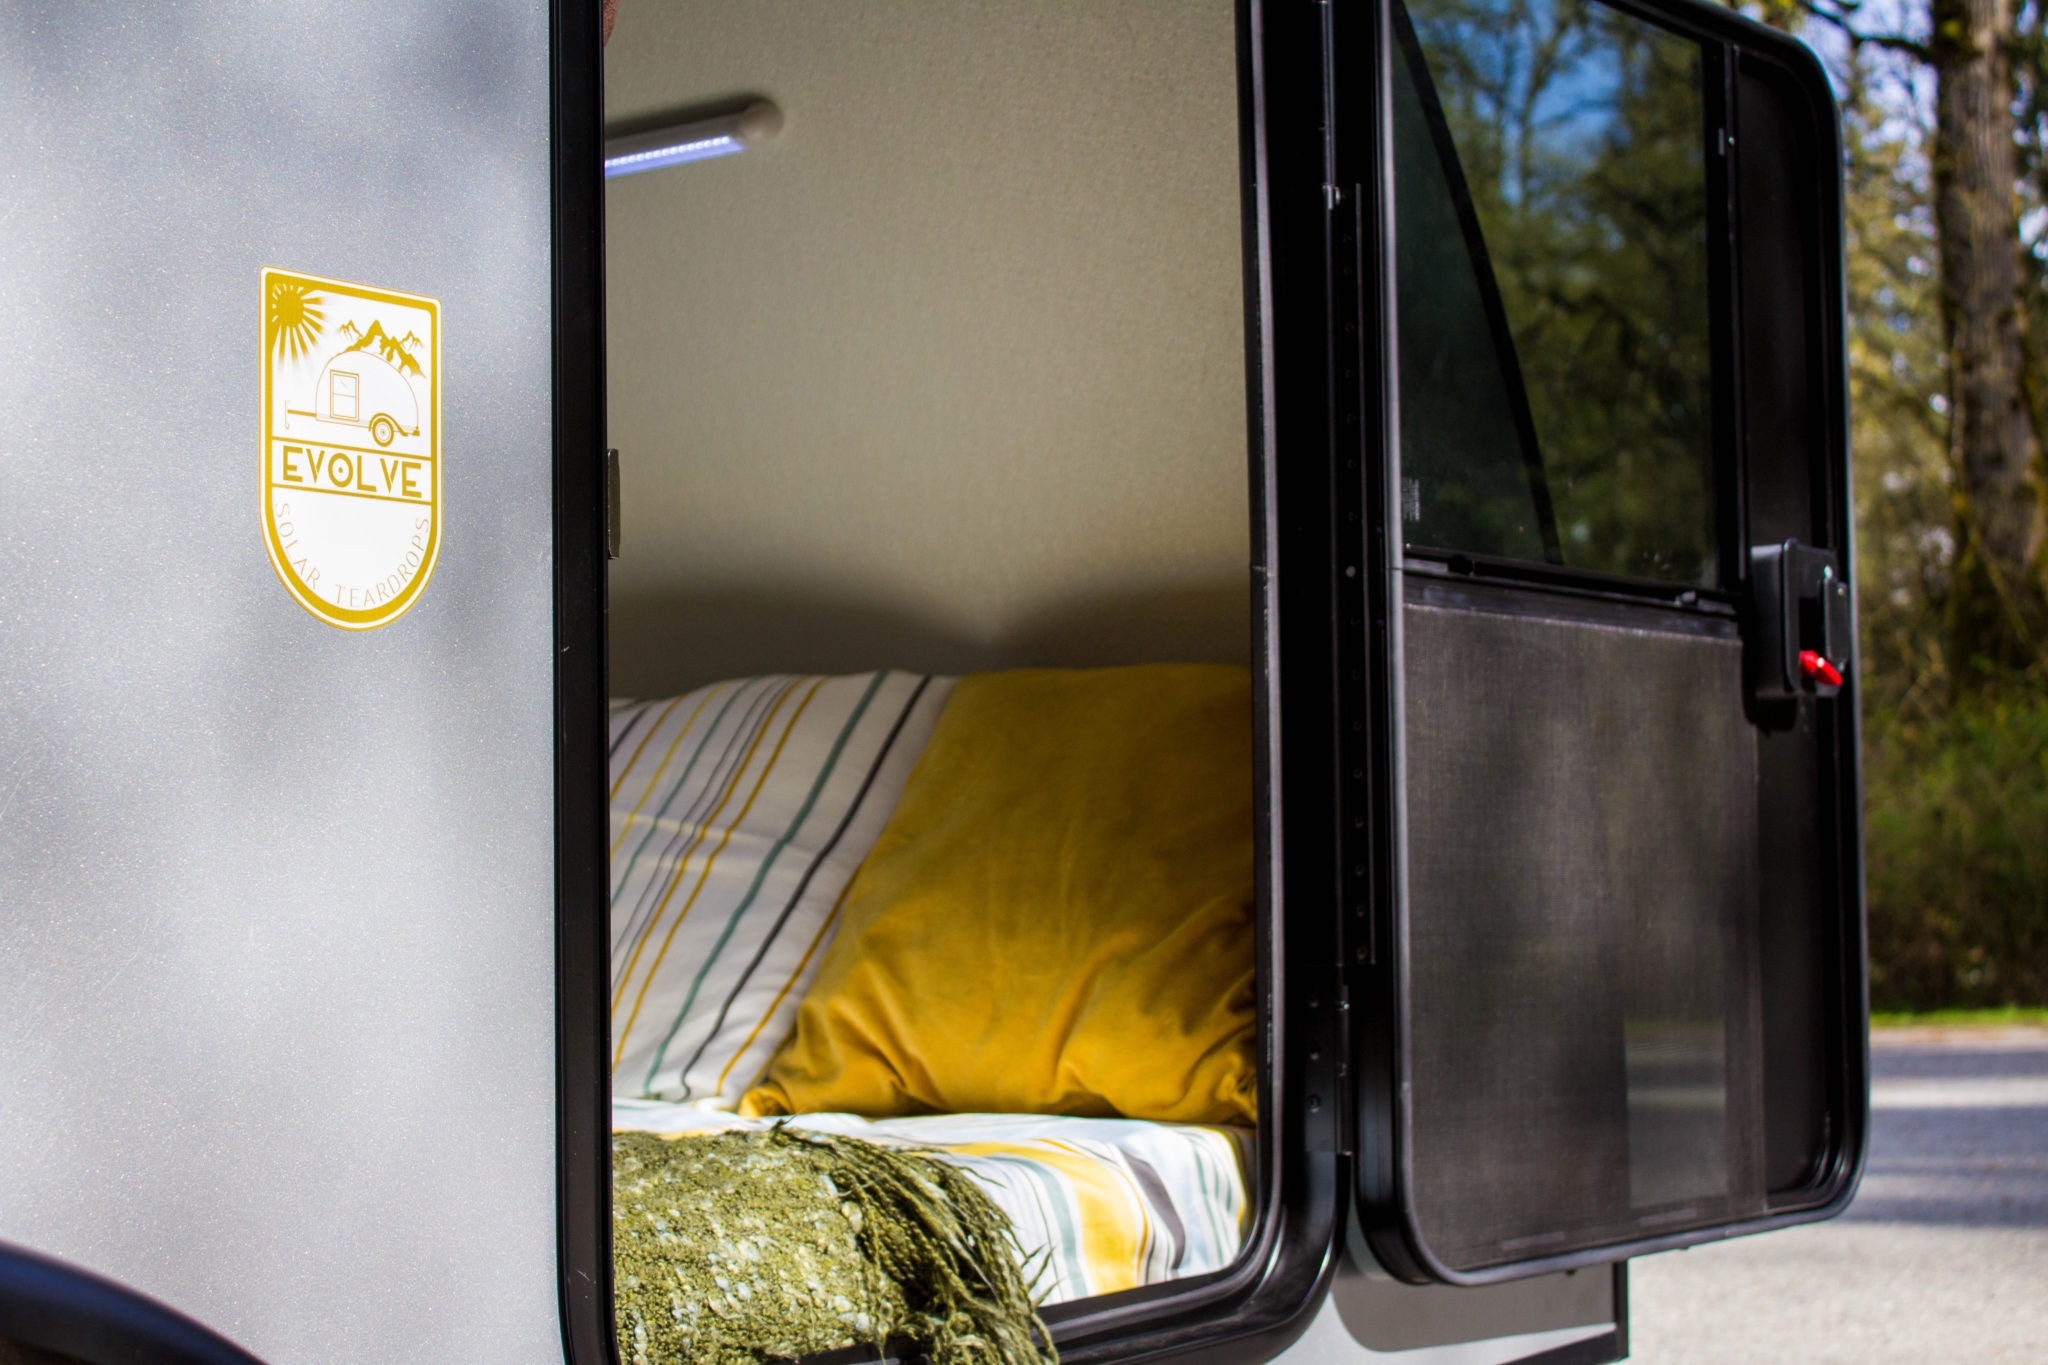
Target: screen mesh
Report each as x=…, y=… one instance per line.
x=1581, y=935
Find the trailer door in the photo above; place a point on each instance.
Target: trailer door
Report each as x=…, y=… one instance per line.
x=1599, y=832
x=278, y=674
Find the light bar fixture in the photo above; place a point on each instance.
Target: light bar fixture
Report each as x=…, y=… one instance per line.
x=696, y=141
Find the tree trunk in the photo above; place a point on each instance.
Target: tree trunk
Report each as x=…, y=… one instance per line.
x=1995, y=606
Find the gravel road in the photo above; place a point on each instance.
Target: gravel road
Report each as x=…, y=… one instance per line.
x=1942, y=1258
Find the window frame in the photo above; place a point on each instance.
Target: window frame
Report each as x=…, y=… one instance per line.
x=1725, y=444
x=354, y=395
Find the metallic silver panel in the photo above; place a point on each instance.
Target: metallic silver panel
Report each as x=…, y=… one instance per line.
x=276, y=993
x=1368, y=1317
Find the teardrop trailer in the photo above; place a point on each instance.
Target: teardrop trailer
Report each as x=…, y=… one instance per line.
x=1028, y=334
x=368, y=392
x=359, y=388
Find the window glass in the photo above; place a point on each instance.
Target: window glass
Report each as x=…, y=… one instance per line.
x=342, y=391
x=1555, y=358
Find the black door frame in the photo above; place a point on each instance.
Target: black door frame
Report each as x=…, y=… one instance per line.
x=1260, y=1305
x=1369, y=687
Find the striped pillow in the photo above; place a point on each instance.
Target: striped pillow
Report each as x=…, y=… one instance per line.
x=739, y=814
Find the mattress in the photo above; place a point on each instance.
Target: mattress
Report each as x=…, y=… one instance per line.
x=1099, y=1205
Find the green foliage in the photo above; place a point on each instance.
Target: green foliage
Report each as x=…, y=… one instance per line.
x=1898, y=379
x=1603, y=269
x=1957, y=862
x=1955, y=778
x=2004, y=1015
x=1578, y=134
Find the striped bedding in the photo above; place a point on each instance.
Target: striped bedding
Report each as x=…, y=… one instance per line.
x=739, y=815
x=1099, y=1205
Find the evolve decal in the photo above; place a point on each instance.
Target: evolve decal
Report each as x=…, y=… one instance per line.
x=351, y=445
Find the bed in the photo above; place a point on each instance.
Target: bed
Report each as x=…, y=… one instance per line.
x=1100, y=1204
x=741, y=814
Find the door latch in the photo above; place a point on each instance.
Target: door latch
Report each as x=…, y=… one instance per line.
x=1804, y=621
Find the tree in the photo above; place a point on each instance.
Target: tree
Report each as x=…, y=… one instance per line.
x=1956, y=739
x=1994, y=603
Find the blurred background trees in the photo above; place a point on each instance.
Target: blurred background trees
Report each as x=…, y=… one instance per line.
x=1945, y=116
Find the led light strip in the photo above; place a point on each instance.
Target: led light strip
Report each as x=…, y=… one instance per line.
x=697, y=141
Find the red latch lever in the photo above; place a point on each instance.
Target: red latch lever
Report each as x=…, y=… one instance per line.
x=1819, y=669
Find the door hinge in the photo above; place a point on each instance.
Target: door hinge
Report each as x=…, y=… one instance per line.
x=611, y=504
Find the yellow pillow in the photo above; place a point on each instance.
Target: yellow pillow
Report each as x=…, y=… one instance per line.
x=1058, y=917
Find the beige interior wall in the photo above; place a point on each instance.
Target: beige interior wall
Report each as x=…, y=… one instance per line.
x=951, y=374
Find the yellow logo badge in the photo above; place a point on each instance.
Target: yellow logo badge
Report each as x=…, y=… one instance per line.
x=351, y=445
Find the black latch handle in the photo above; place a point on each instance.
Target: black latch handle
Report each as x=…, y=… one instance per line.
x=1804, y=620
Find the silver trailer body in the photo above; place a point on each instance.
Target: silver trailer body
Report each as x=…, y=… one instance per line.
x=276, y=899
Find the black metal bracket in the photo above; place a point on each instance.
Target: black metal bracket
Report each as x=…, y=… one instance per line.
x=1805, y=626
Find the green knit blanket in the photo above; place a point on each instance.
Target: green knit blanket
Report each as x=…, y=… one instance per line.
x=735, y=1248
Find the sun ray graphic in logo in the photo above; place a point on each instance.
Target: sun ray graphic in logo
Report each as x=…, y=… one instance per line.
x=294, y=316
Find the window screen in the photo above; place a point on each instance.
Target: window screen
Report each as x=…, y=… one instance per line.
x=1551, y=209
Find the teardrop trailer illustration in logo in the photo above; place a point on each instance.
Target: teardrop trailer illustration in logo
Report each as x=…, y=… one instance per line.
x=351, y=445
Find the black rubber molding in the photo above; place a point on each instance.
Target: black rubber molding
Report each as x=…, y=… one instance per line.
x=48, y=1305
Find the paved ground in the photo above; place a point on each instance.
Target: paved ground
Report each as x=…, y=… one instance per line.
x=1943, y=1258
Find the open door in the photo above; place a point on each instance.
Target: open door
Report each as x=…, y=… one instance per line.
x=1600, y=833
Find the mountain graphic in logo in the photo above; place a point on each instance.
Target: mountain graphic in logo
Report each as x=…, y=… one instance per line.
x=396, y=352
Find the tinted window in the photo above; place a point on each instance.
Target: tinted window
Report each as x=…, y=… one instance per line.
x=1556, y=377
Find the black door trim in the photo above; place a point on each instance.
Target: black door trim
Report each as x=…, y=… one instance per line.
x=582, y=1020
x=1261, y=1304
